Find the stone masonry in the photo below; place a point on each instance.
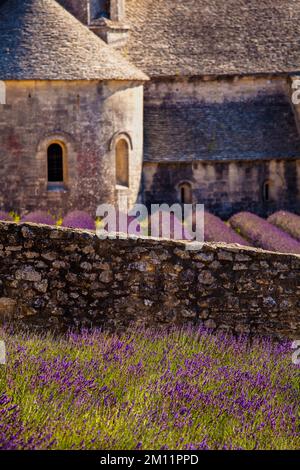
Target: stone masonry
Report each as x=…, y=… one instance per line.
x=60, y=278
x=87, y=118
x=226, y=139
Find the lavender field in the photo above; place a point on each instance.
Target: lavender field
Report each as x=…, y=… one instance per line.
x=215, y=230
x=185, y=389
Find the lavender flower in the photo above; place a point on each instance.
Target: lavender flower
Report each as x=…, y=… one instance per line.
x=79, y=219
x=39, y=217
x=288, y=222
x=264, y=235
x=215, y=230
x=6, y=217
x=148, y=389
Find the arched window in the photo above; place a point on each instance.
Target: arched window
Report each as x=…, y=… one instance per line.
x=185, y=193
x=266, y=191
x=122, y=163
x=55, y=163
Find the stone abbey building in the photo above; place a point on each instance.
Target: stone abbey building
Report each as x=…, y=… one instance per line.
x=151, y=100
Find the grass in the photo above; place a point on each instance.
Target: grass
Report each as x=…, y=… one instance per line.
x=181, y=389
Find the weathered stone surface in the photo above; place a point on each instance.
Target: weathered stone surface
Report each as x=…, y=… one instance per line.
x=112, y=283
x=210, y=324
x=28, y=273
x=206, y=278
x=106, y=277
x=41, y=286
x=225, y=256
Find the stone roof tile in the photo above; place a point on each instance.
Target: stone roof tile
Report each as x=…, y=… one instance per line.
x=40, y=40
x=260, y=128
x=214, y=37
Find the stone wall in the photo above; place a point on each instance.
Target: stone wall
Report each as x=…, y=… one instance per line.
x=87, y=118
x=56, y=278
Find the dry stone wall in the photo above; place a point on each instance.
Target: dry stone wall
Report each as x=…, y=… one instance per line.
x=59, y=278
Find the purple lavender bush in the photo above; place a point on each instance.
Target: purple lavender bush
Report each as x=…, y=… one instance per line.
x=264, y=235
x=39, y=217
x=6, y=217
x=79, y=219
x=286, y=221
x=145, y=389
x=215, y=230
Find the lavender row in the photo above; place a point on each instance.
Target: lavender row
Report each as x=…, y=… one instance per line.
x=288, y=222
x=74, y=219
x=215, y=230
x=262, y=234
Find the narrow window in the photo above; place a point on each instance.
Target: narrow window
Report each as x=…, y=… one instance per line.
x=55, y=164
x=102, y=9
x=122, y=163
x=185, y=193
x=266, y=191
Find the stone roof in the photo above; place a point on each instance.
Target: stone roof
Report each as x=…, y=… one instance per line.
x=258, y=128
x=214, y=37
x=40, y=40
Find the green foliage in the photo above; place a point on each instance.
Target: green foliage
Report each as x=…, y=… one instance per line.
x=15, y=216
